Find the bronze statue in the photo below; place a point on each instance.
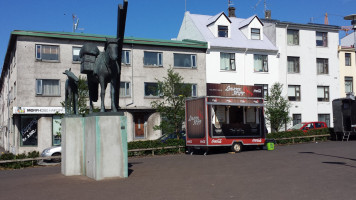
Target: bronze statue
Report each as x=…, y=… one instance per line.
x=105, y=67
x=101, y=68
x=71, y=93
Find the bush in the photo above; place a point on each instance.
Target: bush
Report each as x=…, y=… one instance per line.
x=17, y=165
x=155, y=144
x=298, y=133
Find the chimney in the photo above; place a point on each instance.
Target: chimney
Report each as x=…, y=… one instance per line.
x=232, y=12
x=268, y=14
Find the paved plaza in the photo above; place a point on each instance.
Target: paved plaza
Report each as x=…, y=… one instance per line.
x=325, y=170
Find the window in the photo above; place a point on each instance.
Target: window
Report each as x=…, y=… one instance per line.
x=294, y=92
x=324, y=118
x=152, y=58
x=293, y=64
x=56, y=130
x=261, y=63
x=227, y=61
x=28, y=132
x=321, y=39
x=255, y=34
x=292, y=37
x=185, y=60
x=47, y=52
x=184, y=88
x=348, y=84
x=347, y=59
x=297, y=118
x=125, y=90
x=151, y=90
x=264, y=89
x=47, y=87
x=76, y=51
x=15, y=90
x=322, y=65
x=223, y=31
x=323, y=93
x=125, y=57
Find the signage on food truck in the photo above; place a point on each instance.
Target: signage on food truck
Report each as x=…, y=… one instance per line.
x=232, y=90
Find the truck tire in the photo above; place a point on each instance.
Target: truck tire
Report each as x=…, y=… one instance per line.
x=236, y=147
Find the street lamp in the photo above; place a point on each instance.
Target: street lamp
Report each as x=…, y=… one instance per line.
x=353, y=23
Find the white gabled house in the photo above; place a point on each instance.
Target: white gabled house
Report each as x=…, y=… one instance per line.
x=261, y=52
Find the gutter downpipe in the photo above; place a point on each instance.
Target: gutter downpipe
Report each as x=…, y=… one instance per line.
x=245, y=66
x=285, y=125
x=132, y=77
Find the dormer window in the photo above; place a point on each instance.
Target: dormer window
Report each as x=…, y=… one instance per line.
x=223, y=31
x=255, y=34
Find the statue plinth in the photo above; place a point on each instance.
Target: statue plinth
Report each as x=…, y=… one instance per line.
x=95, y=146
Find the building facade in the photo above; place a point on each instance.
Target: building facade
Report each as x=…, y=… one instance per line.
x=347, y=62
x=32, y=83
x=303, y=57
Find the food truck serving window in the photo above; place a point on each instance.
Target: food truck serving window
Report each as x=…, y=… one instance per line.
x=235, y=121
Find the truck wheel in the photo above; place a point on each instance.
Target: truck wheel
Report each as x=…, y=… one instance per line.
x=236, y=147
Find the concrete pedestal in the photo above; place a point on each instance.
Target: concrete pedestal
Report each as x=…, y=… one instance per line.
x=103, y=144
x=72, y=145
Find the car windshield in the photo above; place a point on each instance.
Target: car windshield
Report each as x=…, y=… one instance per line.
x=297, y=126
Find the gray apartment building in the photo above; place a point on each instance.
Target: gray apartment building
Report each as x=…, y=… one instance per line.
x=32, y=83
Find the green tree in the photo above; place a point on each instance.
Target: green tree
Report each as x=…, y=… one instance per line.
x=172, y=106
x=277, y=108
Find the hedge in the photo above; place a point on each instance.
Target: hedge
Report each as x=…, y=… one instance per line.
x=155, y=144
x=18, y=165
x=298, y=133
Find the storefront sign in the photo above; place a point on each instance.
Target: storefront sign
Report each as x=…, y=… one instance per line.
x=232, y=90
x=38, y=110
x=258, y=102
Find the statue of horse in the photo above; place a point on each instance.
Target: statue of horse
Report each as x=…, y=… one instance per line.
x=102, y=68
x=71, y=93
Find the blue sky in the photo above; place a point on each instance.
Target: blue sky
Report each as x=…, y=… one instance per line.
x=156, y=19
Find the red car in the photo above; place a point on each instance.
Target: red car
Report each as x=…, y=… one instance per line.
x=305, y=126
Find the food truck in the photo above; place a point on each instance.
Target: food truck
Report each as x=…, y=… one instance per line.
x=229, y=116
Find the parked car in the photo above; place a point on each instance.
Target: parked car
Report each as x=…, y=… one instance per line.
x=165, y=137
x=52, y=151
x=305, y=126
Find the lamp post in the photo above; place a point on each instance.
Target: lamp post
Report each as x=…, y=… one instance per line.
x=353, y=23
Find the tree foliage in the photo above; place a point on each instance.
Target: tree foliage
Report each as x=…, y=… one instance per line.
x=172, y=107
x=277, y=108
x=83, y=96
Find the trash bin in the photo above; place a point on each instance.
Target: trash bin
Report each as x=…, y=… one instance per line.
x=270, y=144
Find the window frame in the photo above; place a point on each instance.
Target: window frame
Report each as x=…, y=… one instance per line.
x=350, y=79
x=40, y=87
x=75, y=61
x=294, y=33
x=254, y=34
x=296, y=64
x=152, y=96
x=223, y=31
x=39, y=55
x=124, y=55
x=324, y=39
x=232, y=61
x=193, y=60
x=326, y=93
x=325, y=66
x=326, y=117
x=348, y=59
x=296, y=118
x=297, y=91
x=22, y=127
x=127, y=89
x=264, y=61
x=159, y=59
